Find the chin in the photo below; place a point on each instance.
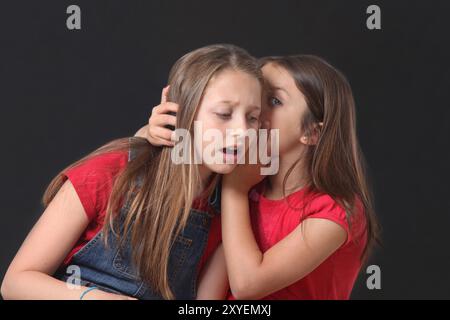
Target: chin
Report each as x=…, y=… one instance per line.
x=222, y=168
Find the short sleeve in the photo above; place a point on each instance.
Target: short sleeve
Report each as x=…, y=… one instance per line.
x=324, y=207
x=93, y=180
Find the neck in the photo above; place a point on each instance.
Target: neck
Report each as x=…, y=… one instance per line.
x=297, y=177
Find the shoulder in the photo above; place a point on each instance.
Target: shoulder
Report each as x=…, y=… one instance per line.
x=323, y=206
x=321, y=203
x=108, y=163
x=93, y=179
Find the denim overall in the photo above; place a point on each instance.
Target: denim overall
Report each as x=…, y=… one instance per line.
x=111, y=269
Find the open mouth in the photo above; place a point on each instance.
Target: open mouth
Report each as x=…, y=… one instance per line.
x=233, y=151
x=232, y=154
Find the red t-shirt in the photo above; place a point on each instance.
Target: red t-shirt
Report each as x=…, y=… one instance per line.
x=93, y=181
x=273, y=220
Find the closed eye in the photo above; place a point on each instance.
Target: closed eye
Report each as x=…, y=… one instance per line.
x=253, y=119
x=223, y=115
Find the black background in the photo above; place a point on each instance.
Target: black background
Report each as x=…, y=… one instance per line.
x=63, y=93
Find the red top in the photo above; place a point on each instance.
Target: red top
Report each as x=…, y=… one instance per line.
x=93, y=181
x=273, y=220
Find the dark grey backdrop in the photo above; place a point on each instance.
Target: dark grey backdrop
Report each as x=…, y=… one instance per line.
x=63, y=93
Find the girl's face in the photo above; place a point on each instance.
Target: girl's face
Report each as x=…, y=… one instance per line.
x=232, y=100
x=284, y=106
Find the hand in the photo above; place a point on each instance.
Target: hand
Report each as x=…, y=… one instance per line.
x=157, y=132
x=243, y=177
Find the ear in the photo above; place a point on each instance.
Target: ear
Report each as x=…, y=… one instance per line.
x=304, y=140
x=312, y=139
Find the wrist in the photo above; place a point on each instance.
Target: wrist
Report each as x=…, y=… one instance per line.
x=235, y=192
x=88, y=292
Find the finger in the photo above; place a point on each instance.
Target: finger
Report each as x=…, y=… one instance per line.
x=157, y=142
x=164, y=120
x=161, y=142
x=173, y=137
x=164, y=94
x=166, y=143
x=155, y=110
x=168, y=107
x=163, y=134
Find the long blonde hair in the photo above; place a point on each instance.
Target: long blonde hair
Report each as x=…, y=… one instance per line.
x=159, y=205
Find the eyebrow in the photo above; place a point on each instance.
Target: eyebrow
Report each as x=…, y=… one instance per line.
x=235, y=103
x=229, y=102
x=279, y=89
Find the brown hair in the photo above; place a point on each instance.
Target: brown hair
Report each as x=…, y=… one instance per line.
x=160, y=206
x=335, y=164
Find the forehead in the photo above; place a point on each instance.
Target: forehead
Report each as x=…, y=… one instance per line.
x=276, y=76
x=232, y=85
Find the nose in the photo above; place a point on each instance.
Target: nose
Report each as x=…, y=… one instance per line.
x=239, y=128
x=239, y=124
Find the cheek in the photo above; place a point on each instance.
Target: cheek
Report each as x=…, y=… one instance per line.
x=254, y=126
x=281, y=118
x=288, y=124
x=266, y=115
x=203, y=116
x=209, y=138
x=209, y=121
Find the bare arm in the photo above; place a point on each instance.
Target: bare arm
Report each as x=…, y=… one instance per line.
x=44, y=249
x=213, y=279
x=254, y=274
